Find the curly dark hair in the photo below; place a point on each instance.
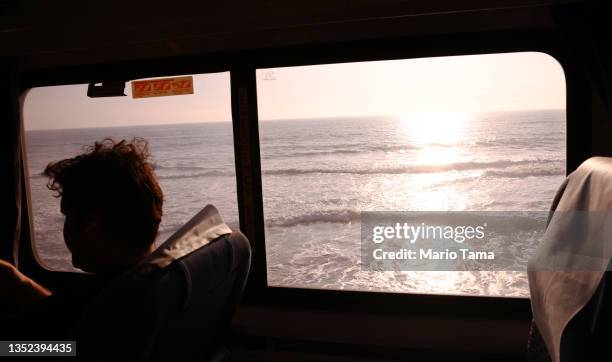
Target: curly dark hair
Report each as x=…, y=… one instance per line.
x=115, y=183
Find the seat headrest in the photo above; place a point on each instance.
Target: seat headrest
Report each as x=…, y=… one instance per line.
x=206, y=226
x=144, y=300
x=589, y=188
x=576, y=250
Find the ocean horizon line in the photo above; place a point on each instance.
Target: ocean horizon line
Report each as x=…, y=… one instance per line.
x=343, y=117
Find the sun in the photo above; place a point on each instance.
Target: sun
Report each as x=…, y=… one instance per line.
x=439, y=136
x=435, y=128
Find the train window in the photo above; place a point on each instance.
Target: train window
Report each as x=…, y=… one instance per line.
x=190, y=139
x=459, y=133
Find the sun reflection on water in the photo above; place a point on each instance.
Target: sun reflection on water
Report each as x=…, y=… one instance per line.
x=435, y=128
x=440, y=138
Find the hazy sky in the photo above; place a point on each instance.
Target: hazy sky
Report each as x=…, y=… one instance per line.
x=496, y=82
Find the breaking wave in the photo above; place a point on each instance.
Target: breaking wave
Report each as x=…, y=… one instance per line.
x=340, y=151
x=196, y=175
x=458, y=166
x=338, y=217
x=523, y=173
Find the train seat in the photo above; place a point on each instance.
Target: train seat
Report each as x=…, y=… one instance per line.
x=568, y=275
x=175, y=306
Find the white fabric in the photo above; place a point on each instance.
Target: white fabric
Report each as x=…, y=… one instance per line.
x=559, y=293
x=203, y=228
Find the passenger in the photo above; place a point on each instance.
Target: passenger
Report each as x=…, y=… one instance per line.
x=113, y=206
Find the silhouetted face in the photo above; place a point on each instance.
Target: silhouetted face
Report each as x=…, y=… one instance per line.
x=92, y=249
x=82, y=240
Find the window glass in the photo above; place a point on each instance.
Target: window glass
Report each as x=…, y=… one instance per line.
x=461, y=133
x=190, y=140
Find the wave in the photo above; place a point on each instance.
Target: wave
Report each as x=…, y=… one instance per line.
x=338, y=217
x=520, y=141
x=196, y=175
x=183, y=168
x=410, y=169
x=37, y=175
x=523, y=173
x=348, y=216
x=416, y=169
x=339, y=151
x=497, y=203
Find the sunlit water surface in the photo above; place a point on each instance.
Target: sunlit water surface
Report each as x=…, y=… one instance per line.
x=318, y=174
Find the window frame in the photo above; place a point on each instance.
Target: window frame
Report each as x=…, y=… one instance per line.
x=578, y=149
x=242, y=66
x=28, y=259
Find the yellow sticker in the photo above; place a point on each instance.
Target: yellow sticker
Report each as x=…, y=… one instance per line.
x=162, y=87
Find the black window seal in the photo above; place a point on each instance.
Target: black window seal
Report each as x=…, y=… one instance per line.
x=242, y=66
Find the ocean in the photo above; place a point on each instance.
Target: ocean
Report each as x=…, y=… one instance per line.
x=319, y=174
